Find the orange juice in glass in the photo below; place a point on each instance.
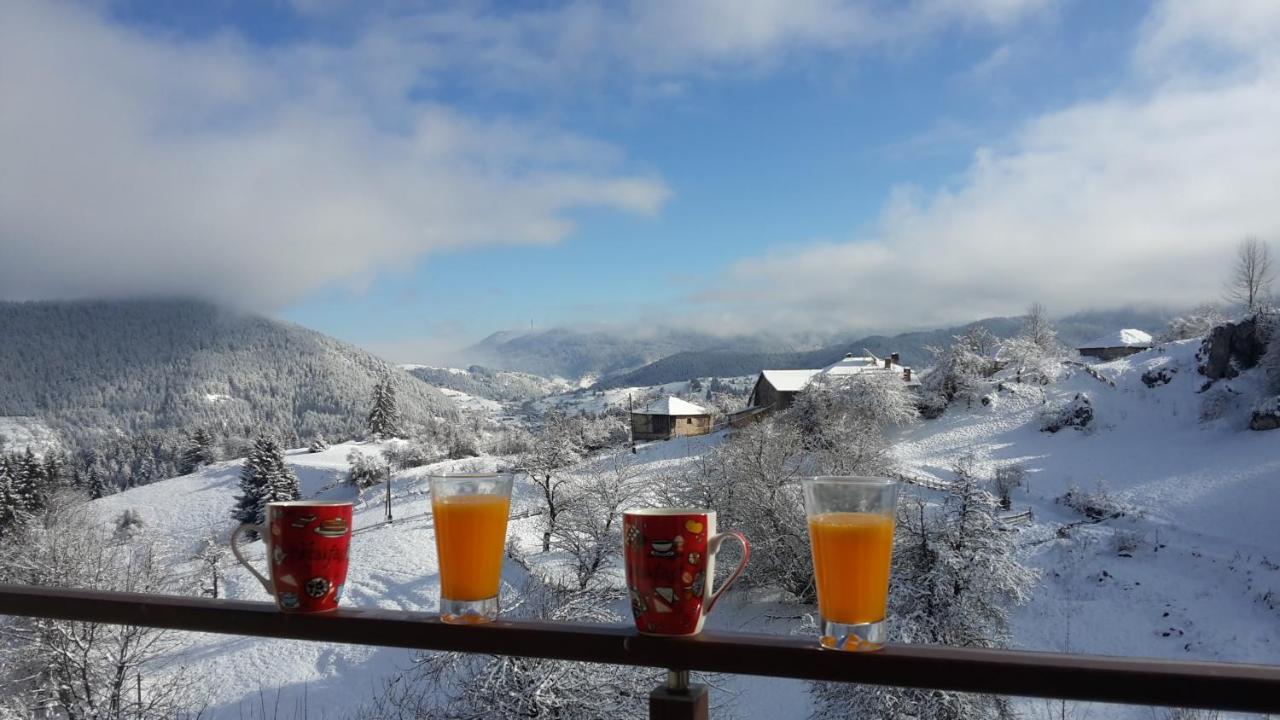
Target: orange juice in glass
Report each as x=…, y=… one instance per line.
x=470, y=513
x=851, y=533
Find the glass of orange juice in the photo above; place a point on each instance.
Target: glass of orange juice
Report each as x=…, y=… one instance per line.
x=470, y=513
x=851, y=532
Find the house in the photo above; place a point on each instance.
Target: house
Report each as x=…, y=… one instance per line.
x=1118, y=344
x=777, y=389
x=670, y=417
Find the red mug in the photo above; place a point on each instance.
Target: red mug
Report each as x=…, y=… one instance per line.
x=307, y=545
x=670, y=560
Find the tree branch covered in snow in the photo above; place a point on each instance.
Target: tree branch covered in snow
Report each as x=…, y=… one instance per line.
x=79, y=670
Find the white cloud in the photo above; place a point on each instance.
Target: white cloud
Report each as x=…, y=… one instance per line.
x=1136, y=198
x=135, y=164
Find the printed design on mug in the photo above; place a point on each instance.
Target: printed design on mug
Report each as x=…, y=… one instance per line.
x=635, y=539
x=333, y=527
x=303, y=521
x=317, y=587
x=666, y=571
x=309, y=548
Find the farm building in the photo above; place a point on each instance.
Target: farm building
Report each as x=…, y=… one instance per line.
x=777, y=389
x=670, y=417
x=1118, y=344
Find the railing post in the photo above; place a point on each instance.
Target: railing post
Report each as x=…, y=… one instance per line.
x=676, y=699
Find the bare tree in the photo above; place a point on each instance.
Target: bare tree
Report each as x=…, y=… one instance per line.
x=590, y=529
x=461, y=685
x=83, y=670
x=556, y=445
x=1251, y=277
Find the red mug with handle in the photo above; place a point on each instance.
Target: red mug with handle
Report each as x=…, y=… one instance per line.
x=670, y=560
x=307, y=545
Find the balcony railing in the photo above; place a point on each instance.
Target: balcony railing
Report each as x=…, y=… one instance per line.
x=1211, y=685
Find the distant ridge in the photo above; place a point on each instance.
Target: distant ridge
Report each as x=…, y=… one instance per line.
x=96, y=368
x=910, y=346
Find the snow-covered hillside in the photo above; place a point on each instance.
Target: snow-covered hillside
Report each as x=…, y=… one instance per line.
x=1190, y=568
x=1199, y=501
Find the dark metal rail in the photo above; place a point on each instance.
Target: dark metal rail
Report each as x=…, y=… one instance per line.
x=1222, y=686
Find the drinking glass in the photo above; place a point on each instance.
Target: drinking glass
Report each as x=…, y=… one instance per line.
x=851, y=533
x=470, y=514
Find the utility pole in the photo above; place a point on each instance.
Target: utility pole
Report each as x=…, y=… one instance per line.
x=139, y=678
x=388, y=470
x=631, y=427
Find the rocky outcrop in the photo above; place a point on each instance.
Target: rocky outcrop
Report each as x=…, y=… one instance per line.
x=1266, y=416
x=1159, y=376
x=1230, y=348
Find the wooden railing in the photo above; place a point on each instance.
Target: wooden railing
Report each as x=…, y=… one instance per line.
x=1221, y=686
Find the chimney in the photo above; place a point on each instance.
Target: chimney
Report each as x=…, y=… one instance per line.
x=896, y=360
x=906, y=374
x=886, y=363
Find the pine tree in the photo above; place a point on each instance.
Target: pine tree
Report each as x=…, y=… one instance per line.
x=265, y=478
x=10, y=511
x=318, y=444
x=28, y=481
x=199, y=451
x=384, y=417
x=96, y=485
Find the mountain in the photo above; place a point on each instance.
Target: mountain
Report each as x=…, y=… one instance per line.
x=95, y=368
x=910, y=346
x=576, y=354
x=482, y=382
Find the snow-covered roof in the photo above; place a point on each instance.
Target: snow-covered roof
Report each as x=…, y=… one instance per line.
x=796, y=380
x=789, y=380
x=851, y=364
x=1121, y=338
x=675, y=406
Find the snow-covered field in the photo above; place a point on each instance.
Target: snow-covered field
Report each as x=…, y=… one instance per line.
x=1200, y=499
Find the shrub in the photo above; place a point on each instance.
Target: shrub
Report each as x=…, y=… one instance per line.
x=1077, y=413
x=366, y=470
x=1096, y=505
x=1008, y=478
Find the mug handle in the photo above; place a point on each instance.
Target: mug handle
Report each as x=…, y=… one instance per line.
x=713, y=547
x=235, y=550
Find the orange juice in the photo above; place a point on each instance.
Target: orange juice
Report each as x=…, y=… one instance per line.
x=851, y=552
x=471, y=531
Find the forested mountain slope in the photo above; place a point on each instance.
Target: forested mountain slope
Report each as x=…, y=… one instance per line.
x=96, y=368
x=912, y=347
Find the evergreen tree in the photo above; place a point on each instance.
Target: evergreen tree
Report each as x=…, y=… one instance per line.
x=199, y=451
x=265, y=478
x=96, y=485
x=28, y=481
x=384, y=417
x=318, y=444
x=10, y=511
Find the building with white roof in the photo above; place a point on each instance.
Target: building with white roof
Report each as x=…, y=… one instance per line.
x=777, y=388
x=1118, y=344
x=670, y=417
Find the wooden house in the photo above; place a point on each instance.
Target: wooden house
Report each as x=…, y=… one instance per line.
x=670, y=417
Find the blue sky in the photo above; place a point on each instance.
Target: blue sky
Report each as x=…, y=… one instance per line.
x=412, y=178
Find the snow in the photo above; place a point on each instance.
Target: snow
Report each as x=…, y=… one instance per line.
x=1121, y=338
x=465, y=401
x=1199, y=496
x=789, y=380
x=19, y=432
x=675, y=406
x=216, y=397
x=796, y=380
